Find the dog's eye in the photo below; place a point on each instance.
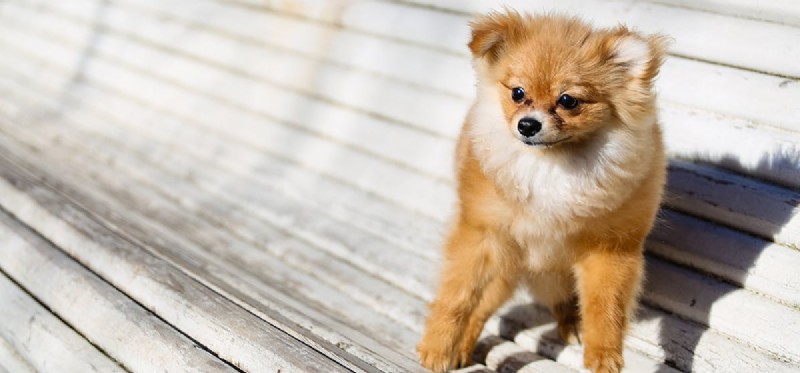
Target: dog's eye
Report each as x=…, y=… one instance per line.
x=517, y=94
x=568, y=102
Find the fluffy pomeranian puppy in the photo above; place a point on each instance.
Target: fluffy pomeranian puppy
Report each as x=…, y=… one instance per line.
x=560, y=169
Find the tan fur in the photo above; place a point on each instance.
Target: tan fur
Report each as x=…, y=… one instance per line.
x=567, y=218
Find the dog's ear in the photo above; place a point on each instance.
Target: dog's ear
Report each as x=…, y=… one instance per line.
x=491, y=33
x=636, y=60
x=640, y=57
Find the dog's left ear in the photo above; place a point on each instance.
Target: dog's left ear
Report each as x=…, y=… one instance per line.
x=635, y=60
x=640, y=57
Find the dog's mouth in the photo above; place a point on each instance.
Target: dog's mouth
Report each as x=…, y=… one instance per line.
x=545, y=144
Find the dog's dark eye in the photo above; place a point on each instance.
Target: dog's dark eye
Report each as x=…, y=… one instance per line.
x=517, y=94
x=567, y=102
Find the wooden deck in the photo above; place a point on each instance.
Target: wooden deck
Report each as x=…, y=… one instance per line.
x=262, y=186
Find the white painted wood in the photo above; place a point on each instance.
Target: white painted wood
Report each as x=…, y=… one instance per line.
x=44, y=342
x=655, y=335
x=731, y=41
x=508, y=356
x=756, y=264
x=403, y=186
x=779, y=11
x=722, y=306
x=11, y=361
x=138, y=339
x=739, y=145
x=746, y=204
x=186, y=304
x=536, y=332
x=287, y=249
x=244, y=216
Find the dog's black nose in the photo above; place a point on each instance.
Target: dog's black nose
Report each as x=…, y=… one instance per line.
x=528, y=127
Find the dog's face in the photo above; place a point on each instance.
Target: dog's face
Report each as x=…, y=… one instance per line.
x=558, y=80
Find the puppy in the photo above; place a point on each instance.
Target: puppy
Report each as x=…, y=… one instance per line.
x=560, y=169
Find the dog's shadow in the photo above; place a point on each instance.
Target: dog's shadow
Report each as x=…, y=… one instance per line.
x=516, y=321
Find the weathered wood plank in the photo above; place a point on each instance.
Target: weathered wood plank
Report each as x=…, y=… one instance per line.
x=533, y=329
x=741, y=42
x=655, y=334
x=254, y=260
x=778, y=11
x=43, y=341
x=11, y=361
x=399, y=184
x=255, y=204
x=248, y=341
x=746, y=204
x=139, y=340
x=763, y=152
x=503, y=355
x=753, y=263
x=721, y=306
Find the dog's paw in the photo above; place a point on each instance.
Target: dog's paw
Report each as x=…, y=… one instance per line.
x=602, y=360
x=442, y=355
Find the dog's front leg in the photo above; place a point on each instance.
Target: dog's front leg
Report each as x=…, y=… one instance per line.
x=470, y=266
x=608, y=284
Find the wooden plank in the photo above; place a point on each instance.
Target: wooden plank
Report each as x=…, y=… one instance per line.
x=286, y=249
x=409, y=64
x=11, y=361
x=244, y=216
x=721, y=306
x=503, y=356
x=778, y=11
x=753, y=263
x=655, y=335
x=763, y=152
x=418, y=24
x=401, y=185
x=751, y=44
x=533, y=329
x=43, y=341
x=746, y=204
x=248, y=341
x=139, y=340
x=290, y=72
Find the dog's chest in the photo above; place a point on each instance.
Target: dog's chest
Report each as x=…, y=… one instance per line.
x=552, y=206
x=543, y=234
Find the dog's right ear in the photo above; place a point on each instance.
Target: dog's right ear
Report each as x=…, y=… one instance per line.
x=491, y=33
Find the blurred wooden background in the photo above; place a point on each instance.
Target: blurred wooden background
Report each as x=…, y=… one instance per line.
x=243, y=185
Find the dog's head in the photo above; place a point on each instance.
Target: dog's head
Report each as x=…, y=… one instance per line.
x=558, y=81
